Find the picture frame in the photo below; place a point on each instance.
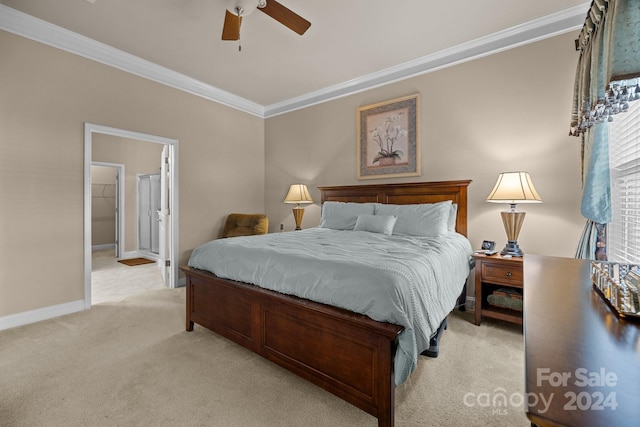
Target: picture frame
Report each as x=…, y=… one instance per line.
x=488, y=245
x=387, y=139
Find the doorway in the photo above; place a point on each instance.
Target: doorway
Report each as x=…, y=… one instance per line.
x=107, y=206
x=169, y=215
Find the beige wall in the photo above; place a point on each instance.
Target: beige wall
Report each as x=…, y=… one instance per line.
x=504, y=112
x=46, y=96
x=138, y=158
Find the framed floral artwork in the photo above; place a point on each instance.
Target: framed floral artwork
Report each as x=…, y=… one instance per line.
x=387, y=141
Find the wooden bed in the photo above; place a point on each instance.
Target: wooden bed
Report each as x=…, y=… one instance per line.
x=345, y=353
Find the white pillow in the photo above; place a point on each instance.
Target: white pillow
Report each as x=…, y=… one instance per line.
x=382, y=224
x=453, y=213
x=343, y=216
x=426, y=220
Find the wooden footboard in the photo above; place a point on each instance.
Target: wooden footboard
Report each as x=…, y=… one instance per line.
x=345, y=353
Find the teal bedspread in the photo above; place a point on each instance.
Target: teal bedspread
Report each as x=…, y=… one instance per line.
x=409, y=281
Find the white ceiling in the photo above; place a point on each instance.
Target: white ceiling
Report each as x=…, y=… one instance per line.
x=351, y=45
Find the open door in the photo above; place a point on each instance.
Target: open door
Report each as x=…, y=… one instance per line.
x=170, y=208
x=118, y=251
x=164, y=220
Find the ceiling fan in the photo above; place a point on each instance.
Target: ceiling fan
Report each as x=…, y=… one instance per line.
x=237, y=9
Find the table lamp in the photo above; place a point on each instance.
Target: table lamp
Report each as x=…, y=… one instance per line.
x=513, y=188
x=298, y=194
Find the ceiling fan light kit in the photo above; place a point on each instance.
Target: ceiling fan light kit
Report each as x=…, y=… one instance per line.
x=246, y=7
x=237, y=9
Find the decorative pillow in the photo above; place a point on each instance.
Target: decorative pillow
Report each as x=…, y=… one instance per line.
x=382, y=224
x=343, y=216
x=426, y=220
x=453, y=213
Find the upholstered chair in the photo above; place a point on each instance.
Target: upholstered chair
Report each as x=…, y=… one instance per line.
x=238, y=224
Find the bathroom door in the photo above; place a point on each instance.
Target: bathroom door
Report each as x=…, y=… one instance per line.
x=148, y=206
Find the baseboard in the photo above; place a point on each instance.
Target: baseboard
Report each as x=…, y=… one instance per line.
x=139, y=254
x=102, y=247
x=182, y=282
x=130, y=254
x=32, y=316
x=470, y=303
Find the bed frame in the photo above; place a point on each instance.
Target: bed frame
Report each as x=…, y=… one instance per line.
x=345, y=353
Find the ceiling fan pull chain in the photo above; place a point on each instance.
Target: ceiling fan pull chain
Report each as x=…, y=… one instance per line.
x=239, y=11
x=235, y=12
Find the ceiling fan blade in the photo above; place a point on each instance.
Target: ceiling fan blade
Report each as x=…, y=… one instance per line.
x=286, y=17
x=231, y=28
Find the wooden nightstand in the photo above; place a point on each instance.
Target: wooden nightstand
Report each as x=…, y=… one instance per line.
x=494, y=272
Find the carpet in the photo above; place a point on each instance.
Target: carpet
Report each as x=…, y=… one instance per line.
x=132, y=363
x=136, y=261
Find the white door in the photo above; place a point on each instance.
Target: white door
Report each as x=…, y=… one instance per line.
x=164, y=220
x=118, y=207
x=155, y=183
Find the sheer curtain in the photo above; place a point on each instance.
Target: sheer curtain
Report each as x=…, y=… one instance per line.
x=607, y=79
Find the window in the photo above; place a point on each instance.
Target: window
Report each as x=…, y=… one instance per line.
x=624, y=159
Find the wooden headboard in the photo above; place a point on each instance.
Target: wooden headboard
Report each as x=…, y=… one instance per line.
x=405, y=194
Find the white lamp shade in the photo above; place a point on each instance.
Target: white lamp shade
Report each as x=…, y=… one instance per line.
x=298, y=194
x=514, y=187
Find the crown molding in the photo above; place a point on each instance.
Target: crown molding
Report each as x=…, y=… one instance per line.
x=548, y=26
x=27, y=26
x=44, y=32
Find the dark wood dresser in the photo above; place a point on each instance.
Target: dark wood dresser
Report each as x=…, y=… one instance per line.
x=579, y=356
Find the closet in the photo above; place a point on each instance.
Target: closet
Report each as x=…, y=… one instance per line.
x=104, y=206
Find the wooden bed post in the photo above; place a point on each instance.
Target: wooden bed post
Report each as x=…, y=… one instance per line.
x=189, y=305
x=386, y=402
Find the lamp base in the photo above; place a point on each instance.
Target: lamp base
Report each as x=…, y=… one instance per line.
x=512, y=249
x=298, y=213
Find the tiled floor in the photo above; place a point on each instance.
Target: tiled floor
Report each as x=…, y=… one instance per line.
x=113, y=281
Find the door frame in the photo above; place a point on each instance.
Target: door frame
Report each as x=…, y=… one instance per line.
x=89, y=130
x=119, y=167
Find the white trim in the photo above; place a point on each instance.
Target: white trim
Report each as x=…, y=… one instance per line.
x=102, y=247
x=32, y=316
x=146, y=254
x=552, y=25
x=131, y=254
x=123, y=133
x=470, y=303
x=91, y=128
x=25, y=25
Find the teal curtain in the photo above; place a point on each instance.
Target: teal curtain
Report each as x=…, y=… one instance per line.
x=607, y=79
x=588, y=241
x=596, y=193
x=593, y=242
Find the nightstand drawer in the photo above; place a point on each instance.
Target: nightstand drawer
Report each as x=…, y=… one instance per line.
x=501, y=273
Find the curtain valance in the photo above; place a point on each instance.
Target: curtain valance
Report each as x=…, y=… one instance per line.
x=608, y=72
